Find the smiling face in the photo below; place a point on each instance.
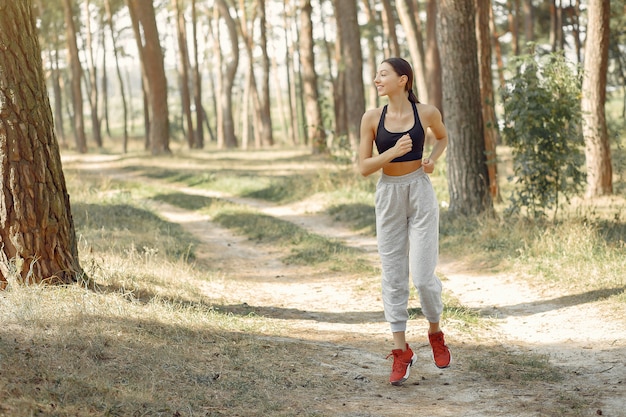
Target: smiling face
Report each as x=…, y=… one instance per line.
x=387, y=80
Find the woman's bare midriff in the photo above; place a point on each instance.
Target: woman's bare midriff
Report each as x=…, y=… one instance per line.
x=395, y=169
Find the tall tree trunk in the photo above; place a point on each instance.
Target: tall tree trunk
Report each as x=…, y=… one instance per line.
x=120, y=79
x=250, y=99
x=183, y=71
x=104, y=81
x=315, y=125
x=212, y=51
x=597, y=149
x=468, y=179
x=267, y=137
x=144, y=82
x=142, y=12
x=352, y=62
x=285, y=125
x=495, y=39
x=490, y=123
x=392, y=47
x=556, y=25
x=513, y=17
x=36, y=226
x=251, y=93
x=92, y=70
x=226, y=126
x=575, y=16
x=407, y=10
x=433, y=61
x=197, y=81
x=294, y=131
x=339, y=83
x=372, y=60
x=529, y=19
x=77, y=72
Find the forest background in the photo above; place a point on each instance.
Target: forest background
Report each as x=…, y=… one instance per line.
x=534, y=115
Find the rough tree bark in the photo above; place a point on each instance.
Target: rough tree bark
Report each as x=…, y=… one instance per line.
x=142, y=14
x=36, y=226
x=468, y=179
x=490, y=123
x=597, y=149
x=315, y=126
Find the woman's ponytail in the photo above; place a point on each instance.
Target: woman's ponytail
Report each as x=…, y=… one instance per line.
x=413, y=97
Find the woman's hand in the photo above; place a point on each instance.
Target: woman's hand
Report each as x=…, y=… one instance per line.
x=403, y=146
x=429, y=165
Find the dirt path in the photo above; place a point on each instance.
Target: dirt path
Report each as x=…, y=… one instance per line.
x=588, y=349
x=345, y=312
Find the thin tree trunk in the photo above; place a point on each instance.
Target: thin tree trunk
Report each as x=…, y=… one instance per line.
x=513, y=18
x=433, y=61
x=267, y=137
x=490, y=122
x=576, y=30
x=495, y=38
x=144, y=82
x=247, y=125
x=153, y=66
x=597, y=149
x=351, y=61
x=529, y=19
x=120, y=79
x=104, y=81
x=183, y=72
x=197, y=81
x=285, y=126
x=226, y=126
x=372, y=61
x=315, y=125
x=251, y=94
x=92, y=70
x=295, y=137
x=77, y=72
x=213, y=87
x=392, y=47
x=407, y=11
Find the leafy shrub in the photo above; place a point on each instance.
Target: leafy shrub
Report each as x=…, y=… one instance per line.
x=541, y=115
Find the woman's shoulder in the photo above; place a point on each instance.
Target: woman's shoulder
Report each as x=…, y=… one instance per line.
x=373, y=114
x=427, y=109
x=428, y=112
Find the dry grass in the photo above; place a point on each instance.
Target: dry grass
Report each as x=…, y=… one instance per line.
x=152, y=337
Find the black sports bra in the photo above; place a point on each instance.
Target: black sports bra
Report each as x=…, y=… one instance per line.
x=386, y=140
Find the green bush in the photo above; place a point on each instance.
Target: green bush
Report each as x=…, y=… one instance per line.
x=542, y=126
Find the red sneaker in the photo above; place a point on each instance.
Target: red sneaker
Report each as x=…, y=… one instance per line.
x=402, y=362
x=441, y=353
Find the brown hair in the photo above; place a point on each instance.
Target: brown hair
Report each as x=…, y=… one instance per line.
x=402, y=67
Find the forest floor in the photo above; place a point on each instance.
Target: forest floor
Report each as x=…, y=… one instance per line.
x=580, y=338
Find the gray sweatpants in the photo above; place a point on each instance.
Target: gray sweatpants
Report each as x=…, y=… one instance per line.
x=407, y=228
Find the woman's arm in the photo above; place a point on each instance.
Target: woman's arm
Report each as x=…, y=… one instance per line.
x=435, y=124
x=368, y=164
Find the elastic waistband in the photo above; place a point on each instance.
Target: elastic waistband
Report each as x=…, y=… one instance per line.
x=403, y=179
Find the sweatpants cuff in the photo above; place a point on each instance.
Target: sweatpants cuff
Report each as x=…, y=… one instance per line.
x=398, y=326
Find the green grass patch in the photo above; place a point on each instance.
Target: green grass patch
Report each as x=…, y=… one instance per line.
x=305, y=248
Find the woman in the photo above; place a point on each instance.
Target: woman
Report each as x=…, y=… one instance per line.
x=407, y=213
